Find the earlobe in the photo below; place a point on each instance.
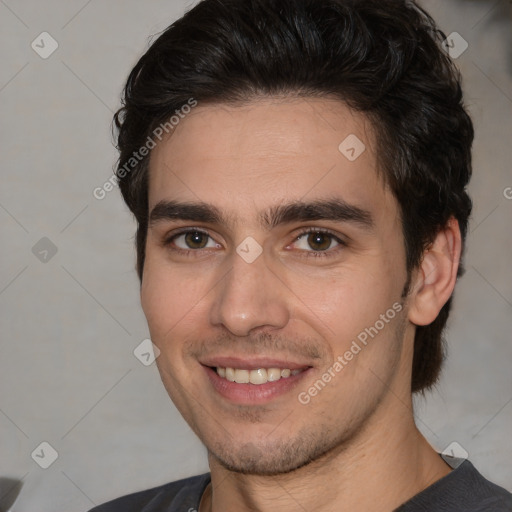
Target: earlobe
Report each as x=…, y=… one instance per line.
x=435, y=279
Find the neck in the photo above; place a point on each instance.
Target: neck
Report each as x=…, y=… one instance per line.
x=386, y=464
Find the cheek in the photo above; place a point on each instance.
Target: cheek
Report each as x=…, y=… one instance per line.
x=157, y=299
x=175, y=301
x=165, y=298
x=167, y=305
x=343, y=304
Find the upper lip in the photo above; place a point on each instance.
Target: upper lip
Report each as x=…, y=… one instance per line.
x=252, y=363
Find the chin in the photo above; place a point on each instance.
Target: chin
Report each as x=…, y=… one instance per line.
x=274, y=458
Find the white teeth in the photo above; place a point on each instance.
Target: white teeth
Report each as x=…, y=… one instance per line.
x=259, y=376
x=242, y=376
x=273, y=374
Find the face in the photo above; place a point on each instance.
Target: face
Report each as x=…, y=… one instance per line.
x=272, y=284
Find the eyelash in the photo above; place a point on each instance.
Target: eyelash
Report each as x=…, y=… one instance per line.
x=329, y=253
x=306, y=231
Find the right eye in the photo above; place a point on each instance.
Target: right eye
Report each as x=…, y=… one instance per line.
x=191, y=240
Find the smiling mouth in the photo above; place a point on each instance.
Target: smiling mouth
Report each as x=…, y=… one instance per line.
x=254, y=382
x=257, y=376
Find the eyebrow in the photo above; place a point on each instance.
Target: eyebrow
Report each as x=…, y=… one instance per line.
x=335, y=209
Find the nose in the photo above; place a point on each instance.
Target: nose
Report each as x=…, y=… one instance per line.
x=251, y=296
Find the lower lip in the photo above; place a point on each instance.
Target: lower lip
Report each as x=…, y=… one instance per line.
x=253, y=393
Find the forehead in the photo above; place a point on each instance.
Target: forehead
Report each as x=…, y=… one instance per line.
x=266, y=152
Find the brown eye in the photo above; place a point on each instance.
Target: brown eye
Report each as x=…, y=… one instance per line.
x=319, y=241
x=196, y=239
x=191, y=239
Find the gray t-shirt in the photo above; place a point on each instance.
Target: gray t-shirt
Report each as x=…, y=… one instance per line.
x=462, y=490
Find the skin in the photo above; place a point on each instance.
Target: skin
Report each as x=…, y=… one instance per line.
x=355, y=445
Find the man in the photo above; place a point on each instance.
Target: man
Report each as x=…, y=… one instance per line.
x=297, y=169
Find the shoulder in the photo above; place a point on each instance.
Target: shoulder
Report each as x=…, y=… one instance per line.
x=179, y=495
x=464, y=490
x=476, y=492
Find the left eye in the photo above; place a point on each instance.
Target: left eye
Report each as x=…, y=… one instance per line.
x=319, y=241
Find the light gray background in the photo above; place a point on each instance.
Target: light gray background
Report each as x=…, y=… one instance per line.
x=69, y=326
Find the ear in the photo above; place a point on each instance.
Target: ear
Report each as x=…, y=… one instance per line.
x=435, y=279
